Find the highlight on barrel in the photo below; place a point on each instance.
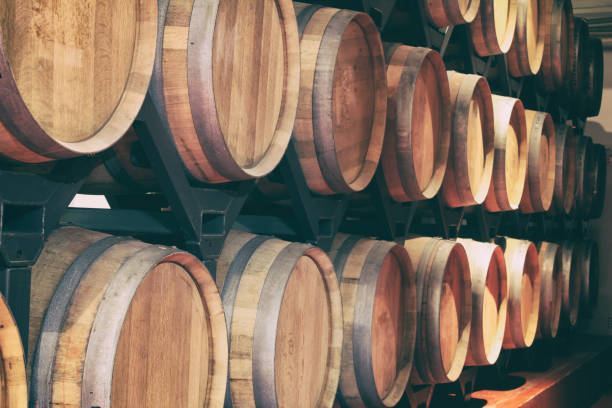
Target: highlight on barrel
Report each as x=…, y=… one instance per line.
x=565, y=168
x=470, y=160
x=551, y=292
x=442, y=13
x=585, y=177
x=600, y=159
x=558, y=44
x=586, y=252
x=73, y=76
x=489, y=301
x=417, y=136
x=524, y=282
x=340, y=122
x=284, y=318
x=14, y=391
x=577, y=75
x=106, y=309
x=444, y=309
x=378, y=290
x=492, y=30
x=571, y=285
x=541, y=163
x=532, y=25
x=594, y=77
x=229, y=97
x=510, y=162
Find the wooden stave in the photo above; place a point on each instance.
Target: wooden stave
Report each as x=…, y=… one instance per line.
x=571, y=286
x=485, y=39
x=237, y=253
x=584, y=180
x=342, y=249
x=599, y=152
x=497, y=198
x=521, y=255
x=14, y=392
x=521, y=60
x=587, y=253
x=480, y=257
x=456, y=188
x=397, y=164
x=565, y=178
x=135, y=261
x=24, y=139
x=577, y=75
x=536, y=196
x=428, y=367
x=442, y=13
x=556, y=57
x=594, y=84
x=551, y=292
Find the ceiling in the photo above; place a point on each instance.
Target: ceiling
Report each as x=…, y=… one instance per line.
x=599, y=15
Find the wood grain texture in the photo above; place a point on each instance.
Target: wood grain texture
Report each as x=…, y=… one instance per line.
x=493, y=28
x=470, y=160
x=378, y=289
x=444, y=309
x=339, y=128
x=524, y=282
x=442, y=13
x=570, y=275
x=551, y=291
x=13, y=383
x=541, y=163
x=565, y=168
x=600, y=158
x=489, y=301
x=527, y=50
x=510, y=162
x=417, y=137
x=587, y=261
x=80, y=81
x=577, y=75
x=557, y=45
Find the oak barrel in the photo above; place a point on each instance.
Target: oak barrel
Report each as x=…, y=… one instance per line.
x=527, y=50
x=493, y=28
x=541, y=163
x=524, y=282
x=226, y=83
x=470, y=160
x=510, y=162
x=105, y=309
x=74, y=75
x=565, y=168
x=600, y=159
x=585, y=177
x=551, y=292
x=444, y=309
x=594, y=77
x=489, y=301
x=14, y=387
x=442, y=13
x=340, y=122
x=378, y=290
x=570, y=274
x=557, y=45
x=284, y=317
x=417, y=136
x=587, y=262
x=577, y=75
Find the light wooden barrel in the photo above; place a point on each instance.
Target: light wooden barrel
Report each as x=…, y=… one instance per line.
x=595, y=73
x=489, y=301
x=524, y=281
x=106, y=309
x=565, y=168
x=587, y=263
x=442, y=13
x=510, y=162
x=557, y=44
x=493, y=28
x=577, y=75
x=378, y=290
x=570, y=276
x=340, y=123
x=541, y=163
x=600, y=159
x=527, y=50
x=14, y=389
x=444, y=309
x=470, y=160
x=551, y=292
x=226, y=83
x=284, y=317
x=585, y=177
x=74, y=75
x=417, y=137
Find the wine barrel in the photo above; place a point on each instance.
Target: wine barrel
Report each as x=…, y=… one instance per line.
x=284, y=318
x=541, y=163
x=489, y=301
x=577, y=75
x=444, y=309
x=527, y=50
x=442, y=13
x=565, y=168
x=600, y=159
x=570, y=276
x=417, y=138
x=523, y=293
x=14, y=391
x=378, y=290
x=557, y=45
x=594, y=81
x=510, y=162
x=73, y=76
x=105, y=309
x=493, y=28
x=551, y=291
x=226, y=83
x=587, y=263
x=470, y=160
x=340, y=123
x=585, y=177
